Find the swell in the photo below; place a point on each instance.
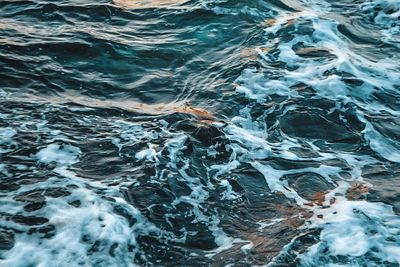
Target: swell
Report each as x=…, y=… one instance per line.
x=211, y=133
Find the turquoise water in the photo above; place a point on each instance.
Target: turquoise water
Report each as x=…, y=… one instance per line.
x=199, y=133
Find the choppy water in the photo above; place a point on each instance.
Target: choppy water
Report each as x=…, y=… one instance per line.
x=200, y=133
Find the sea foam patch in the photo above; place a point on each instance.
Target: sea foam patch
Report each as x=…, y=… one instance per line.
x=6, y=139
x=364, y=232
x=63, y=154
x=352, y=232
x=267, y=177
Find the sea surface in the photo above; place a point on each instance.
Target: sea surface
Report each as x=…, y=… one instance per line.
x=199, y=133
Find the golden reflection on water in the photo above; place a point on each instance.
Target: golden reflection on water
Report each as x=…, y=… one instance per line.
x=185, y=107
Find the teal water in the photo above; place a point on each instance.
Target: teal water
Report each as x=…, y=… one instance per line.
x=199, y=133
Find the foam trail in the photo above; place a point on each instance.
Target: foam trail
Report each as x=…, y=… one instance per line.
x=202, y=133
x=367, y=226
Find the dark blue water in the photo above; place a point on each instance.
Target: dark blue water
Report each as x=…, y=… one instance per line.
x=199, y=133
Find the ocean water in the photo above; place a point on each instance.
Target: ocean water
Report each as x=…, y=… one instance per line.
x=199, y=133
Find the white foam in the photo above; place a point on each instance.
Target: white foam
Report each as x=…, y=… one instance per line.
x=147, y=154
x=379, y=143
x=63, y=155
x=345, y=224
x=275, y=184
x=247, y=248
x=355, y=228
x=228, y=194
x=6, y=138
x=6, y=134
x=389, y=22
x=77, y=228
